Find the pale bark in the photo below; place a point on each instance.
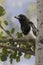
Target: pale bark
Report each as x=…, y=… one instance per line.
x=39, y=42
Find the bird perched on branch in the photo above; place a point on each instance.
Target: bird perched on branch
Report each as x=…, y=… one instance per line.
x=28, y=28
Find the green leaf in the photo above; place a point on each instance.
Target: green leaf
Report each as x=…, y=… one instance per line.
x=19, y=35
x=6, y=23
x=11, y=58
x=8, y=31
x=3, y=58
x=4, y=54
x=4, y=51
x=18, y=58
x=14, y=54
x=19, y=53
x=12, y=30
x=2, y=11
x=1, y=34
x=27, y=56
x=4, y=37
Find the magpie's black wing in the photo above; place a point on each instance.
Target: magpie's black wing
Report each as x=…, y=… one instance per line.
x=25, y=29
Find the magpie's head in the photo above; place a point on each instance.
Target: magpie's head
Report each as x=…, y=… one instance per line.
x=22, y=18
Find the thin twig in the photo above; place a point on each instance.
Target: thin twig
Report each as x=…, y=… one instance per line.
x=5, y=31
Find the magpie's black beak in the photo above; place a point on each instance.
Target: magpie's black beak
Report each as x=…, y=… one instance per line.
x=17, y=17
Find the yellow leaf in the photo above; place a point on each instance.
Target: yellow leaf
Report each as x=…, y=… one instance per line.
x=32, y=7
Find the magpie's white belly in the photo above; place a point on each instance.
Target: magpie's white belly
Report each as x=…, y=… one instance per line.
x=30, y=35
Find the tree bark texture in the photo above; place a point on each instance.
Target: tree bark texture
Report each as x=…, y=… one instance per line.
x=39, y=41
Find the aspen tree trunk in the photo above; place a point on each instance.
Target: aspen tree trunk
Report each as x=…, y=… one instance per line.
x=39, y=42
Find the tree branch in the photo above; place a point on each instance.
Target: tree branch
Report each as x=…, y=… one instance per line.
x=18, y=49
x=17, y=40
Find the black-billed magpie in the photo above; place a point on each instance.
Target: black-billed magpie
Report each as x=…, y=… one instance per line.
x=28, y=28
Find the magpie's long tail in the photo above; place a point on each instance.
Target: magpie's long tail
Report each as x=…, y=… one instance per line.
x=34, y=29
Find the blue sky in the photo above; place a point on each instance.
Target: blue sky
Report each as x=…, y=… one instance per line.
x=15, y=7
